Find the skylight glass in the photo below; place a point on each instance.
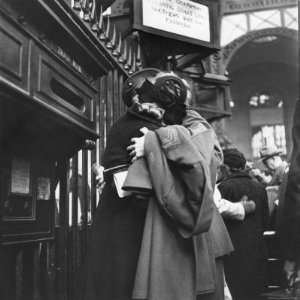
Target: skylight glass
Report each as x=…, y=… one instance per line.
x=233, y=27
x=291, y=18
x=265, y=19
x=236, y=25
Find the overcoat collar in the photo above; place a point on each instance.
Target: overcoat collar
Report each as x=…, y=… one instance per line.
x=238, y=174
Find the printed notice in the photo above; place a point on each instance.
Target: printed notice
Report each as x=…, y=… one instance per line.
x=43, y=188
x=20, y=176
x=183, y=17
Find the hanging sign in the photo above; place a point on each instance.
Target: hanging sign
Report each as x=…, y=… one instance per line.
x=188, y=21
x=183, y=17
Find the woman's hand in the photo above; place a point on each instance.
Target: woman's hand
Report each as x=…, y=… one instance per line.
x=99, y=176
x=136, y=149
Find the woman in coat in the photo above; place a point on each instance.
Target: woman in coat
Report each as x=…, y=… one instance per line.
x=245, y=267
x=118, y=222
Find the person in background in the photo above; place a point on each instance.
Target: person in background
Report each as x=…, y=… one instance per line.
x=245, y=267
x=271, y=158
x=257, y=174
x=228, y=209
x=275, y=182
x=232, y=210
x=289, y=225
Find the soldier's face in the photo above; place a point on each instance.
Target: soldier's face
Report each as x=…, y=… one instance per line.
x=273, y=162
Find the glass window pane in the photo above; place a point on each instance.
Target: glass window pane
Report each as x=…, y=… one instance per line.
x=233, y=27
x=268, y=136
x=291, y=18
x=265, y=19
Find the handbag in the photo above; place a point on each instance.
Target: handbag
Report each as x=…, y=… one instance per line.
x=138, y=179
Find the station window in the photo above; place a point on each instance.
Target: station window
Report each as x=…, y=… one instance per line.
x=236, y=25
x=268, y=135
x=265, y=19
x=267, y=121
x=291, y=17
x=233, y=27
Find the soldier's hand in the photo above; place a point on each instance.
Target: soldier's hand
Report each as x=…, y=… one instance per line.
x=136, y=149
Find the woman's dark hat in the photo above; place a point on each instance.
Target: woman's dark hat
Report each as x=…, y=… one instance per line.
x=134, y=82
x=234, y=159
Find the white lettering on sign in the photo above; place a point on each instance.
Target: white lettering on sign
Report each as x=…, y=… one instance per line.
x=234, y=6
x=183, y=17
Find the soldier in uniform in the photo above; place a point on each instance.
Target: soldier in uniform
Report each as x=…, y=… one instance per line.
x=271, y=158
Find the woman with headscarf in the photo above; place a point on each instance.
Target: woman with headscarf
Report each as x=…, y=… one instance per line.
x=245, y=267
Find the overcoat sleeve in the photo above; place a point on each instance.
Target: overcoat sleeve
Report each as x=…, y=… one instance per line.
x=180, y=178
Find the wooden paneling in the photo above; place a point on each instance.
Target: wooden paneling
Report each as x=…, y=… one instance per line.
x=14, y=56
x=58, y=87
x=32, y=72
x=48, y=270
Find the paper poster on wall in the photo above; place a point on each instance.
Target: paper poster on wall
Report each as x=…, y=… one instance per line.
x=20, y=176
x=43, y=188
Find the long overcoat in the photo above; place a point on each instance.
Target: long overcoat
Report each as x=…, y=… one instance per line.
x=118, y=222
x=245, y=267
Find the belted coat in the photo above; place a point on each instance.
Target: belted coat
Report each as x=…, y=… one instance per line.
x=180, y=244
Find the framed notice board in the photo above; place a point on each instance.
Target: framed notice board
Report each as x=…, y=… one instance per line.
x=194, y=22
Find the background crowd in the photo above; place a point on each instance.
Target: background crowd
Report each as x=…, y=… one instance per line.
x=167, y=221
